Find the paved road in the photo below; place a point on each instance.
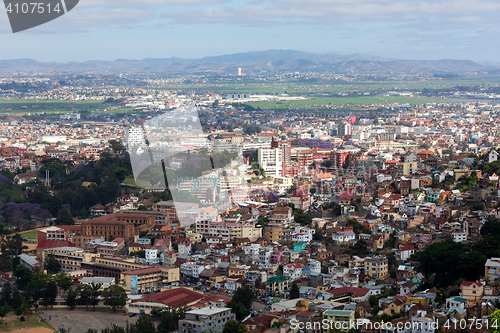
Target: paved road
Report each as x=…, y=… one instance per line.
x=81, y=320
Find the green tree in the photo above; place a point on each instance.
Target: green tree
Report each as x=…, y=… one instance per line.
x=169, y=319
x=37, y=285
x=144, y=324
x=52, y=265
x=15, y=244
x=95, y=293
x=23, y=275
x=491, y=228
x=233, y=326
x=373, y=300
x=6, y=294
x=114, y=296
x=64, y=281
x=71, y=299
x=50, y=294
x=84, y=291
x=64, y=217
x=472, y=265
x=294, y=291
x=441, y=259
x=17, y=299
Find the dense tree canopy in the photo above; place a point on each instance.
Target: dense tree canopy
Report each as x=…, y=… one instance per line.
x=449, y=262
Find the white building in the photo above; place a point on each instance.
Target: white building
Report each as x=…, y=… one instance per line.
x=134, y=136
x=301, y=237
x=343, y=236
x=459, y=237
x=210, y=319
x=271, y=161
x=292, y=271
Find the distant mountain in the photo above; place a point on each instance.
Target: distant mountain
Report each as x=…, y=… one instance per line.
x=271, y=61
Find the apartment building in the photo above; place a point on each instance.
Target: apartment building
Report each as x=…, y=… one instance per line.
x=209, y=319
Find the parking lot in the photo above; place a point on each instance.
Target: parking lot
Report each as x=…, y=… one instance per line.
x=79, y=321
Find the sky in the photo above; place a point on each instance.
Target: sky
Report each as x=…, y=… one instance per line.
x=403, y=29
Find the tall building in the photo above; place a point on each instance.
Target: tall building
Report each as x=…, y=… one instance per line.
x=209, y=319
x=134, y=137
x=344, y=129
x=271, y=161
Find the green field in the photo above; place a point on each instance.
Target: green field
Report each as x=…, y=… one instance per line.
x=322, y=103
x=33, y=321
x=25, y=106
x=29, y=235
x=330, y=87
x=141, y=183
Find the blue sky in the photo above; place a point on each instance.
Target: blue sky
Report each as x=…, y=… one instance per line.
x=112, y=29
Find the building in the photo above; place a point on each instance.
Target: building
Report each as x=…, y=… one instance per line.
x=473, y=291
x=122, y=225
x=104, y=282
x=343, y=236
x=277, y=285
x=341, y=320
x=492, y=267
x=273, y=232
x=210, y=319
x=134, y=137
x=142, y=279
x=271, y=161
x=377, y=267
x=70, y=258
x=174, y=298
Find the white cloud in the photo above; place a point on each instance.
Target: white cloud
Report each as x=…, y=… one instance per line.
x=334, y=11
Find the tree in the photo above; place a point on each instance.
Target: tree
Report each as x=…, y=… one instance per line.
x=6, y=294
x=441, y=259
x=373, y=300
x=84, y=291
x=169, y=318
x=15, y=244
x=23, y=275
x=144, y=324
x=52, y=265
x=37, y=285
x=471, y=265
x=50, y=294
x=233, y=326
x=64, y=281
x=244, y=296
x=491, y=228
x=64, y=217
x=96, y=292
x=114, y=296
x=17, y=299
x=71, y=299
x=294, y=291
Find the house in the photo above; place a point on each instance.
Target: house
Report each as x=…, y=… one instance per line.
x=459, y=237
x=456, y=302
x=292, y=271
x=277, y=285
x=492, y=156
x=393, y=307
x=343, y=236
x=405, y=252
x=472, y=290
x=492, y=267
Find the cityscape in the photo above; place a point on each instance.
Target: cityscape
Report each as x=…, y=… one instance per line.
x=249, y=167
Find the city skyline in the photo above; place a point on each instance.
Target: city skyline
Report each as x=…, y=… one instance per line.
x=198, y=28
